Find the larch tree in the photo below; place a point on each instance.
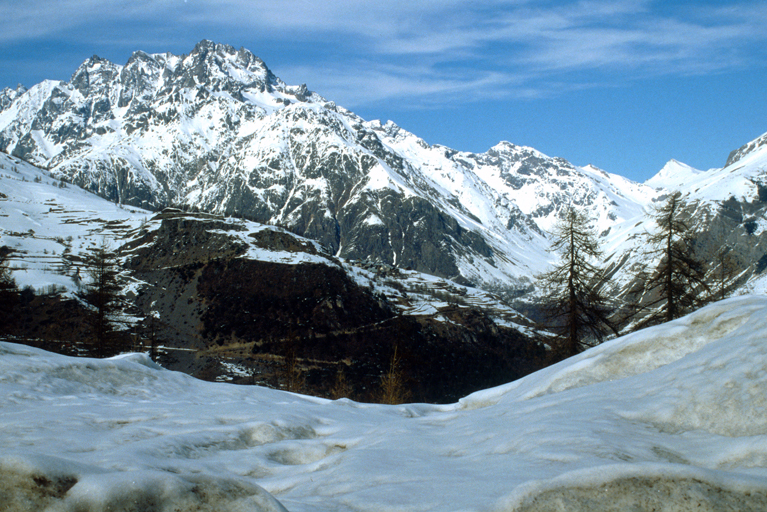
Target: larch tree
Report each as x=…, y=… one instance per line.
x=577, y=308
x=393, y=390
x=724, y=272
x=291, y=375
x=678, y=282
x=9, y=293
x=342, y=388
x=102, y=293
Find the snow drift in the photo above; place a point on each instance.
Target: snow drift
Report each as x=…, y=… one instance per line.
x=670, y=418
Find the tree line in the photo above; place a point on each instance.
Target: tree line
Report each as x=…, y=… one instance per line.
x=578, y=309
x=100, y=288
x=100, y=310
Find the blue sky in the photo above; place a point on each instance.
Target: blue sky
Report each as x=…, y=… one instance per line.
x=625, y=85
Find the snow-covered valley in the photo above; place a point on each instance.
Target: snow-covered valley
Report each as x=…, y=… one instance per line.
x=670, y=418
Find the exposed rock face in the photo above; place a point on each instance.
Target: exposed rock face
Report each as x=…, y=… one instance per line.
x=215, y=299
x=745, y=149
x=732, y=227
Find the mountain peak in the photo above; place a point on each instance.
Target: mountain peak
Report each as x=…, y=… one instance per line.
x=206, y=45
x=92, y=63
x=139, y=56
x=7, y=95
x=222, y=65
x=93, y=72
x=673, y=175
x=507, y=147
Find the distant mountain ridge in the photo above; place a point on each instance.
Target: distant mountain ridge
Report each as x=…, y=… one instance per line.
x=218, y=131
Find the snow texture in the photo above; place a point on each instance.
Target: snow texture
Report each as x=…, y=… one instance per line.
x=670, y=418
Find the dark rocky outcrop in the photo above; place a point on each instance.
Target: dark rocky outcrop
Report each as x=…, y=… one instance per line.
x=252, y=313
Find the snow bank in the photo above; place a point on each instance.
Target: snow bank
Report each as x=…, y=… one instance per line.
x=657, y=488
x=49, y=483
x=637, y=353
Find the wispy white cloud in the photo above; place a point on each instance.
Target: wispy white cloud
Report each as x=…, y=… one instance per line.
x=651, y=44
x=361, y=83
x=433, y=50
x=31, y=19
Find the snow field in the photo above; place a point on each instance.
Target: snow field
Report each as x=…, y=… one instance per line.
x=42, y=222
x=672, y=417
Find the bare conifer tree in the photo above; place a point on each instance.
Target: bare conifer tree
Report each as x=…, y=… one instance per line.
x=393, y=390
x=291, y=375
x=724, y=272
x=9, y=293
x=675, y=286
x=101, y=292
x=342, y=388
x=577, y=308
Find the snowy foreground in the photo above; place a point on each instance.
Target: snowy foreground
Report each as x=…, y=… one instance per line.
x=669, y=418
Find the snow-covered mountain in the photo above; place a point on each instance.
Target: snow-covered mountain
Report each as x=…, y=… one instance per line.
x=727, y=207
x=670, y=418
x=218, y=131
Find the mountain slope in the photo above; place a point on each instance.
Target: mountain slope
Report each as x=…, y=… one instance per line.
x=727, y=208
